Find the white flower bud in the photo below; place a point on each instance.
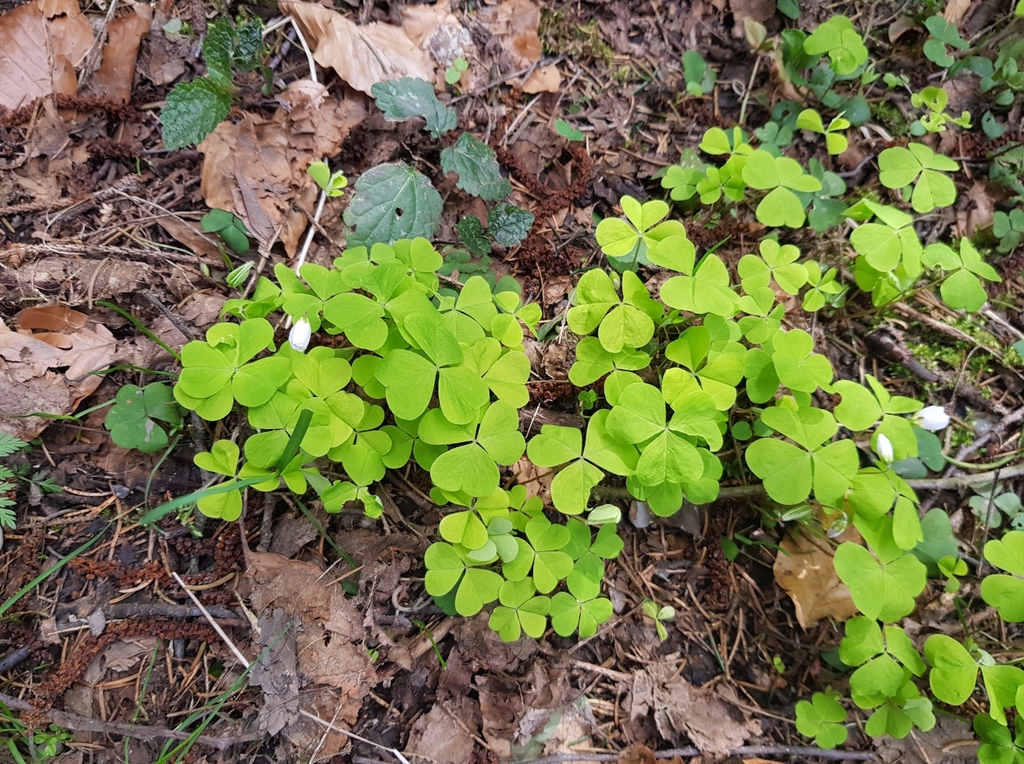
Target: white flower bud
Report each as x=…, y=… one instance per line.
x=883, y=447
x=300, y=334
x=932, y=418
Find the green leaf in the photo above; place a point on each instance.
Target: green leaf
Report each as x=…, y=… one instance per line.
x=131, y=420
x=822, y=718
x=954, y=672
x=392, y=201
x=509, y=224
x=1006, y=592
x=798, y=367
x=477, y=167
x=230, y=227
x=471, y=233
x=410, y=97
x=1002, y=685
x=222, y=458
x=193, y=110
x=881, y=591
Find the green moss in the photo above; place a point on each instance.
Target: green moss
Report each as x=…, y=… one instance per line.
x=562, y=34
x=890, y=118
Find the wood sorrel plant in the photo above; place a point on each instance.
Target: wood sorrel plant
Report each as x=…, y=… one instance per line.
x=418, y=374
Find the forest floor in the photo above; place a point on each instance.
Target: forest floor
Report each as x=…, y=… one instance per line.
x=95, y=212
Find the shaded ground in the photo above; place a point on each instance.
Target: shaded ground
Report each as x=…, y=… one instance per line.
x=92, y=209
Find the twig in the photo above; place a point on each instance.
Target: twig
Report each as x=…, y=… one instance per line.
x=216, y=626
x=140, y=731
x=393, y=751
x=180, y=325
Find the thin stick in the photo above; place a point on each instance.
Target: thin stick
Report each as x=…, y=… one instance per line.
x=213, y=623
x=354, y=736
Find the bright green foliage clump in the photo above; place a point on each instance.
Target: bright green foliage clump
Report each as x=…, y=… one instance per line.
x=841, y=42
x=8, y=445
x=134, y=420
x=919, y=165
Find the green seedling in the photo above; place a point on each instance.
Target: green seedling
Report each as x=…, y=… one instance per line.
x=331, y=183
x=230, y=227
x=567, y=131
x=700, y=78
x=934, y=99
x=835, y=140
x=453, y=73
x=659, y=615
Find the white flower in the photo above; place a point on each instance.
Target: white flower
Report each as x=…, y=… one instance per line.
x=932, y=418
x=883, y=447
x=299, y=336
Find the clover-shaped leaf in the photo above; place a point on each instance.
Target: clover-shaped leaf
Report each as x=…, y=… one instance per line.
x=626, y=243
x=822, y=718
x=446, y=569
x=954, y=672
x=784, y=176
x=521, y=610
x=133, y=419
x=776, y=262
x=883, y=591
x=798, y=367
x=962, y=289
x=707, y=291
x=899, y=167
x=579, y=609
x=1006, y=592
x=843, y=44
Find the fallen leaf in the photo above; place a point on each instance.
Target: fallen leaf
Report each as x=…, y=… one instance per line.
x=974, y=210
x=805, y=571
x=955, y=11
x=514, y=24
x=256, y=167
x=161, y=61
x=437, y=736
x=124, y=34
x=701, y=713
x=41, y=43
x=755, y=10
x=545, y=79
x=29, y=365
x=361, y=55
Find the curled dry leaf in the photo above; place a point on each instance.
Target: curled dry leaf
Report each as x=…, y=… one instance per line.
x=805, y=570
x=49, y=338
x=256, y=168
x=361, y=55
x=41, y=43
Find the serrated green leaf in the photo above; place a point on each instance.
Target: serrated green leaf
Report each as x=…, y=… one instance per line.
x=193, y=110
x=509, y=224
x=411, y=97
x=477, y=167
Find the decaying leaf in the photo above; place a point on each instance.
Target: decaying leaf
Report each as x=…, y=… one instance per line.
x=545, y=79
x=41, y=43
x=47, y=339
x=361, y=55
x=439, y=736
x=701, y=713
x=804, y=569
x=514, y=23
x=314, y=635
x=256, y=168
x=435, y=30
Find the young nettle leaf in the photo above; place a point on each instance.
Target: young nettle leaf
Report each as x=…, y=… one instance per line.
x=843, y=44
x=521, y=610
x=625, y=323
x=410, y=97
x=193, y=110
x=1006, y=592
x=555, y=446
x=477, y=167
x=471, y=467
x=626, y=243
x=822, y=718
x=882, y=590
x=921, y=166
x=446, y=570
x=541, y=553
x=668, y=450
x=132, y=420
x=580, y=608
x=220, y=370
x=962, y=288
x=790, y=471
x=783, y=176
x=509, y=224
x=392, y=201
x=778, y=262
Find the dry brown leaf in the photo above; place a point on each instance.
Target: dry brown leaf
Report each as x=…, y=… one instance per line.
x=256, y=167
x=975, y=210
x=41, y=43
x=703, y=714
x=323, y=646
x=545, y=79
x=755, y=10
x=805, y=571
x=955, y=11
x=124, y=34
x=29, y=364
x=514, y=23
x=435, y=30
x=438, y=736
x=361, y=55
